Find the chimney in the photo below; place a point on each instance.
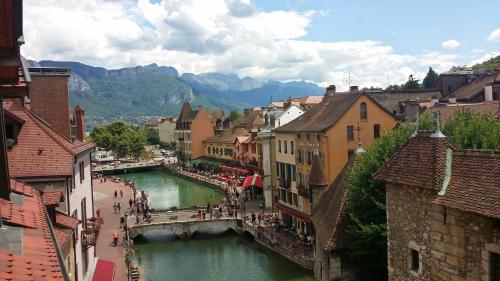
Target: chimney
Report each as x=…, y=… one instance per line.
x=330, y=90
x=317, y=180
x=353, y=89
x=49, y=97
x=80, y=123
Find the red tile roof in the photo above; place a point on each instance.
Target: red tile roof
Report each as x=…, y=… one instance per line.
x=445, y=112
x=62, y=236
x=419, y=162
x=474, y=179
x=40, y=150
x=475, y=183
x=329, y=217
x=52, y=198
x=38, y=260
x=66, y=221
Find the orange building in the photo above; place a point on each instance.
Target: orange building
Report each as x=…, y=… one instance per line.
x=191, y=129
x=334, y=128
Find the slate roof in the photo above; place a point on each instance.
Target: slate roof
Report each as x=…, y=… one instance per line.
x=391, y=100
x=38, y=259
x=40, y=150
x=470, y=90
x=474, y=181
x=329, y=217
x=317, y=176
x=445, y=112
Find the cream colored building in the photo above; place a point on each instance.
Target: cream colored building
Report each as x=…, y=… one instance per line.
x=166, y=130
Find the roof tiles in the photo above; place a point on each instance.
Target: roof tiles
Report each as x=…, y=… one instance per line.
x=474, y=179
x=40, y=150
x=38, y=260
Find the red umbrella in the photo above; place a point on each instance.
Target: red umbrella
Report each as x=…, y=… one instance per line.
x=254, y=180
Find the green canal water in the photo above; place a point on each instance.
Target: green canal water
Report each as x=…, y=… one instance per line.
x=167, y=191
x=225, y=257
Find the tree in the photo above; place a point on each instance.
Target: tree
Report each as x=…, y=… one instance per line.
x=366, y=197
x=430, y=79
x=469, y=130
x=152, y=136
x=234, y=115
x=371, y=88
x=394, y=87
x=411, y=84
x=366, y=203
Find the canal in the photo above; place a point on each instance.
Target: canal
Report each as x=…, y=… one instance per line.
x=225, y=257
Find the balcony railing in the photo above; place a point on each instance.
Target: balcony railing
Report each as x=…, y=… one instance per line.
x=90, y=232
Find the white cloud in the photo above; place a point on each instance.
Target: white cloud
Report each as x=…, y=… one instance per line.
x=220, y=35
x=483, y=58
x=450, y=44
x=494, y=36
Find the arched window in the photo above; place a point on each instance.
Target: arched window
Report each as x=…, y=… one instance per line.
x=362, y=111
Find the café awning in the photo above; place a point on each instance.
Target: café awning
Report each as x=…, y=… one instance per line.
x=254, y=180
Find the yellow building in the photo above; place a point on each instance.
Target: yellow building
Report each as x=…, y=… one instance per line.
x=221, y=145
x=334, y=128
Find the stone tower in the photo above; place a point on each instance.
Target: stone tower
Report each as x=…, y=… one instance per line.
x=317, y=180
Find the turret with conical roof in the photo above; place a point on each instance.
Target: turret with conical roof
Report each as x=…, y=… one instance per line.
x=317, y=179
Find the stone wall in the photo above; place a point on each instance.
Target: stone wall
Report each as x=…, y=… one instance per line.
x=453, y=245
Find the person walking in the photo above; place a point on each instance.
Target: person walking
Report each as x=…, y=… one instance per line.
x=114, y=207
x=115, y=194
x=259, y=217
x=119, y=207
x=122, y=221
x=115, y=238
x=253, y=218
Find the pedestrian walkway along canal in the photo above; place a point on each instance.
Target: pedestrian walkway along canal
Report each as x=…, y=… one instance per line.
x=223, y=257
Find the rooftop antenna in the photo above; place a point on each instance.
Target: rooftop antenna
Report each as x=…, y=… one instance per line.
x=418, y=119
x=360, y=148
x=438, y=133
x=349, y=81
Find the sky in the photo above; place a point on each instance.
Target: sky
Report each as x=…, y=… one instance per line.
x=375, y=43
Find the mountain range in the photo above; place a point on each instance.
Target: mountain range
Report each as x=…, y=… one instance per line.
x=138, y=93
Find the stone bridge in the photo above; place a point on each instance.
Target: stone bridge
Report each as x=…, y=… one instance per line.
x=183, y=226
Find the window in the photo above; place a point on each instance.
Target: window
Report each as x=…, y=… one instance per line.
x=286, y=146
x=291, y=148
x=362, y=111
x=277, y=169
x=9, y=131
x=494, y=267
x=279, y=146
x=415, y=260
x=294, y=173
x=376, y=131
x=307, y=136
x=299, y=156
x=295, y=200
x=82, y=171
x=350, y=133
x=309, y=157
x=298, y=136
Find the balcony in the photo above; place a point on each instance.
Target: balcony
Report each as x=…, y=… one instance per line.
x=90, y=232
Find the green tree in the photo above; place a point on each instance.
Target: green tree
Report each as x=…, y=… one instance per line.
x=469, y=130
x=135, y=143
x=394, y=87
x=366, y=197
x=371, y=88
x=234, y=115
x=411, y=84
x=152, y=136
x=430, y=79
